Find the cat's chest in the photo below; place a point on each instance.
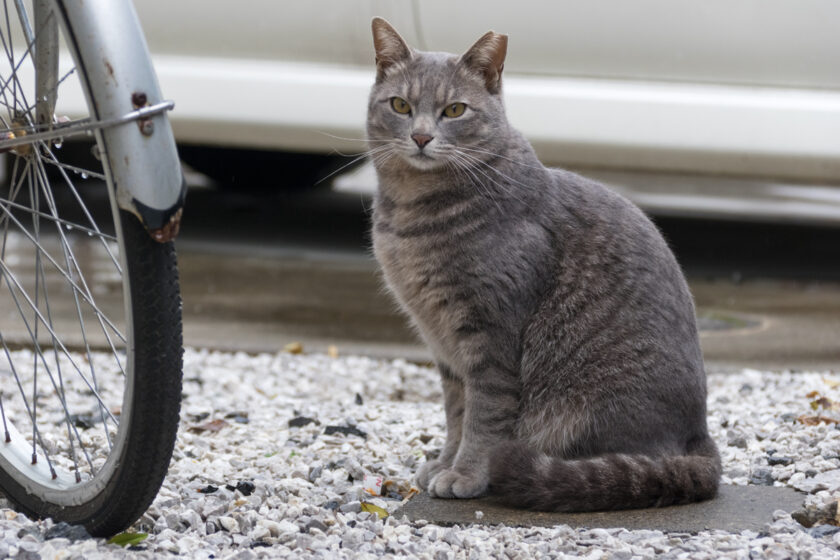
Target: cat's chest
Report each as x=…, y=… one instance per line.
x=422, y=275
x=429, y=274
x=422, y=253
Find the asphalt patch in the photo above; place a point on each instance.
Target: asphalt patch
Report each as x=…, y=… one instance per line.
x=735, y=509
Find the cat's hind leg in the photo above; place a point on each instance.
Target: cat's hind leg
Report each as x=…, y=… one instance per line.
x=453, y=400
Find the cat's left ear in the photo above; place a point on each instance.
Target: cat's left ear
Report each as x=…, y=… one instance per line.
x=487, y=57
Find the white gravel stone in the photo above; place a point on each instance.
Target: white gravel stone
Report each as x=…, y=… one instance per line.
x=308, y=487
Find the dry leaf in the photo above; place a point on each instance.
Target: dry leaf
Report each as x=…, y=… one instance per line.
x=812, y=394
x=211, y=426
x=832, y=383
x=825, y=402
x=332, y=351
x=293, y=348
x=373, y=508
x=816, y=420
x=403, y=488
x=128, y=539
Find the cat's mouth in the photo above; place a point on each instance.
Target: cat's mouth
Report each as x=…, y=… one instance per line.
x=424, y=161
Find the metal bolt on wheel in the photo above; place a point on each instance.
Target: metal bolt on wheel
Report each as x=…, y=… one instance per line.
x=90, y=324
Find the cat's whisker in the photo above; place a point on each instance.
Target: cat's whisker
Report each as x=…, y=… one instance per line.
x=494, y=154
x=382, y=158
x=479, y=161
x=475, y=165
x=350, y=154
x=459, y=174
x=368, y=153
x=474, y=179
x=512, y=192
x=352, y=139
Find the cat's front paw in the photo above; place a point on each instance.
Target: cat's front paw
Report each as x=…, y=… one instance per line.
x=452, y=483
x=428, y=471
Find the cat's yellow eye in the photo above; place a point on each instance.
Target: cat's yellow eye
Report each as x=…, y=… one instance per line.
x=400, y=105
x=454, y=110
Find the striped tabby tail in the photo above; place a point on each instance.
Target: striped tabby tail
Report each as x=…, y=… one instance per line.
x=524, y=478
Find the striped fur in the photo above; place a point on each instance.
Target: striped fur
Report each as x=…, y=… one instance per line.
x=561, y=323
x=524, y=478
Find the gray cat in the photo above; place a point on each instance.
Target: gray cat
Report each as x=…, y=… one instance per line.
x=560, y=321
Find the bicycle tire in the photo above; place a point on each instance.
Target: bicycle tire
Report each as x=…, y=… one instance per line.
x=120, y=487
x=157, y=396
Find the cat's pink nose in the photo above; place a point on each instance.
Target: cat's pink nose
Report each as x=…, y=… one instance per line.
x=421, y=139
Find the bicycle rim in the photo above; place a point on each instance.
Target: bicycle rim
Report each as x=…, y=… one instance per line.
x=66, y=362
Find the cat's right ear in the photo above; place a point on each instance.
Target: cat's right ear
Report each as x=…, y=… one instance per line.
x=390, y=47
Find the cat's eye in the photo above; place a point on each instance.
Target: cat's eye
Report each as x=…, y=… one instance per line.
x=400, y=105
x=454, y=110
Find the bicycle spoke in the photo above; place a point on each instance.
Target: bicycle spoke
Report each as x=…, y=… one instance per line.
x=33, y=197
x=18, y=90
x=66, y=274
x=58, y=221
x=9, y=49
x=40, y=277
x=85, y=173
x=3, y=219
x=73, y=431
x=105, y=331
x=12, y=78
x=4, y=270
x=60, y=387
x=6, y=436
x=68, y=258
x=37, y=434
x=78, y=198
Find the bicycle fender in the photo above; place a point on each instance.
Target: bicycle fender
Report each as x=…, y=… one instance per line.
x=141, y=157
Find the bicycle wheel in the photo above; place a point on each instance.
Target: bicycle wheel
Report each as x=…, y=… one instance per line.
x=90, y=320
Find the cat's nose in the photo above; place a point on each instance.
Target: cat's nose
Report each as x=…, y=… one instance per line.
x=421, y=139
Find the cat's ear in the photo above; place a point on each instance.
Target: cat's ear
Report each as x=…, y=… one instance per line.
x=487, y=57
x=389, y=46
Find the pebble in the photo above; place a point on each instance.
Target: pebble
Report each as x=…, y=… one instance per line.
x=296, y=490
x=65, y=531
x=229, y=524
x=762, y=477
x=351, y=507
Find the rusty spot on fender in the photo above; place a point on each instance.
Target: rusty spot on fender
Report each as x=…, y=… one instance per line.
x=110, y=69
x=138, y=99
x=170, y=230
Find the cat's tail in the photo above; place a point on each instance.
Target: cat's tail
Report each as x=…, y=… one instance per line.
x=524, y=478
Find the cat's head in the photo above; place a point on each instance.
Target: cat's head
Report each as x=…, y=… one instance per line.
x=433, y=110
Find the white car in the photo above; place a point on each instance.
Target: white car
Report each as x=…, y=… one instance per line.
x=723, y=108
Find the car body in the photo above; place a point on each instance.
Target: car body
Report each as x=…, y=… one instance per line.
x=721, y=108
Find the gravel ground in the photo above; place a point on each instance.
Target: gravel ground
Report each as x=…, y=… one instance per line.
x=275, y=452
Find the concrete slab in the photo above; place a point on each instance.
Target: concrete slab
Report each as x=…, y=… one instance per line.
x=736, y=508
